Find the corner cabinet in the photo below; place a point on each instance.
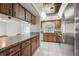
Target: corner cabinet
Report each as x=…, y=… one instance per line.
x=18, y=11
x=6, y=8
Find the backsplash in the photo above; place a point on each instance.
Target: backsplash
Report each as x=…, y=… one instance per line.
x=11, y=27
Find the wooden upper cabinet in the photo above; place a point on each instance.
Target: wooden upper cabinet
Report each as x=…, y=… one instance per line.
x=33, y=19
x=58, y=23
x=6, y=8
x=18, y=11
x=28, y=16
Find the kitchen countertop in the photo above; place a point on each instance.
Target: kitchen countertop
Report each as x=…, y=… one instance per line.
x=7, y=42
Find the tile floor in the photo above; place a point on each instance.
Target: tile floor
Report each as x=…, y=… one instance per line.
x=54, y=49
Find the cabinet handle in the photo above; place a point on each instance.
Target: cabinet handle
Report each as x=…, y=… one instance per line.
x=10, y=11
x=14, y=13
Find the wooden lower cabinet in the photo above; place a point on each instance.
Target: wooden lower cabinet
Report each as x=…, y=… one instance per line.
x=38, y=42
x=34, y=45
x=11, y=51
x=26, y=51
x=50, y=37
x=26, y=48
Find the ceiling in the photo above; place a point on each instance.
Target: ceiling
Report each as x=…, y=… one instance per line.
x=37, y=8
x=48, y=8
x=54, y=10
x=30, y=8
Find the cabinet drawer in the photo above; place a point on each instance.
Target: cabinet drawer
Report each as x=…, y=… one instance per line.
x=13, y=50
x=2, y=54
x=17, y=54
x=34, y=39
x=24, y=44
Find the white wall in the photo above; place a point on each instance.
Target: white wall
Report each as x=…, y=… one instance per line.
x=13, y=26
x=69, y=28
x=25, y=28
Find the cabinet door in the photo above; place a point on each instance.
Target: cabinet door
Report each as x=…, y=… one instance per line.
x=2, y=54
x=33, y=19
x=58, y=23
x=38, y=41
x=28, y=16
x=11, y=51
x=22, y=12
x=34, y=45
x=6, y=8
x=18, y=11
x=26, y=51
x=45, y=37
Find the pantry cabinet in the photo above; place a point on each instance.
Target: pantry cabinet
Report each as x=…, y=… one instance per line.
x=6, y=8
